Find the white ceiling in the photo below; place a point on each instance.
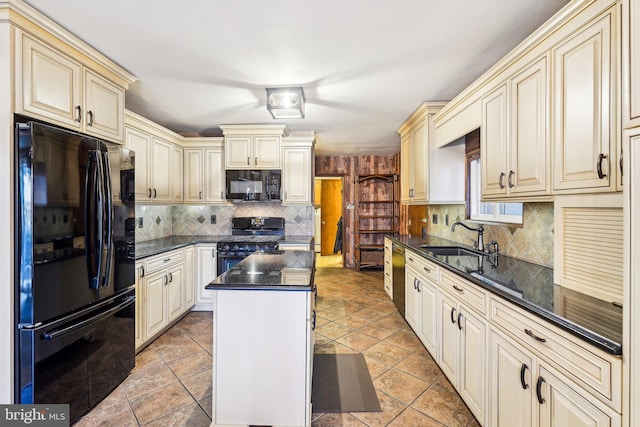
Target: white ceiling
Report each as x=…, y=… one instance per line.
x=365, y=65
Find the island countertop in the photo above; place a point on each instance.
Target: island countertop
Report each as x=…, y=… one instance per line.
x=273, y=270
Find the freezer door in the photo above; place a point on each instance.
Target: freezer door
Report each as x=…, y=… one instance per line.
x=79, y=361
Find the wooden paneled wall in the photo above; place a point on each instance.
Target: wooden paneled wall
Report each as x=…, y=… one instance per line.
x=349, y=167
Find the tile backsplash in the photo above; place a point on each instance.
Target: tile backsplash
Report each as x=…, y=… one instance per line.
x=532, y=242
x=164, y=221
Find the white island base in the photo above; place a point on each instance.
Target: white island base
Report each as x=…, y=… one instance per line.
x=262, y=357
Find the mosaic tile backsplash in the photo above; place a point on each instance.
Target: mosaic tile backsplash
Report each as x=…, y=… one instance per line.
x=532, y=242
x=164, y=221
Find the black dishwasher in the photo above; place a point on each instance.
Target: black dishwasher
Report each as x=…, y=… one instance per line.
x=397, y=260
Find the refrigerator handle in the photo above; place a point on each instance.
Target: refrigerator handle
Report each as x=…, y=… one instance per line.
x=93, y=219
x=58, y=333
x=108, y=212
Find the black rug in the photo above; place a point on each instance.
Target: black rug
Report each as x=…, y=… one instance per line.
x=342, y=383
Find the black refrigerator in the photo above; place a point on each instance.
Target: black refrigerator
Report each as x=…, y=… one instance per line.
x=74, y=266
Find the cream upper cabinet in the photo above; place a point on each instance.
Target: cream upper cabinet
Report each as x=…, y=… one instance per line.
x=584, y=122
x=177, y=174
x=159, y=164
x=631, y=63
x=493, y=142
x=429, y=174
x=514, y=141
x=204, y=172
x=297, y=171
x=140, y=143
x=252, y=152
x=59, y=89
x=161, y=170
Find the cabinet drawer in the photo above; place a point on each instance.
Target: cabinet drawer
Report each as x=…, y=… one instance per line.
x=427, y=269
x=595, y=370
x=471, y=295
x=163, y=260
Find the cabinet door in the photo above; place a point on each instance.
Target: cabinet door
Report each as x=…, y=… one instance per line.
x=411, y=299
x=177, y=175
x=510, y=384
x=297, y=175
x=237, y=152
x=140, y=304
x=205, y=273
x=160, y=166
x=493, y=142
x=563, y=405
x=189, y=278
x=429, y=315
x=420, y=162
x=155, y=307
x=175, y=285
x=585, y=101
x=50, y=84
x=193, y=176
x=104, y=107
x=214, y=182
x=529, y=148
x=633, y=61
x=266, y=152
x=406, y=178
x=140, y=143
x=473, y=362
x=449, y=351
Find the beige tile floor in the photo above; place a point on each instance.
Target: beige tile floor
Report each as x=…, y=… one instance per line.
x=171, y=383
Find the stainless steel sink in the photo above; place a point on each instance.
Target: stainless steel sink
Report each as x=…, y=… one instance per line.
x=450, y=251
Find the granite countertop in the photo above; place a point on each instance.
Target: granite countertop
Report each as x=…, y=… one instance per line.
x=274, y=270
x=165, y=244
x=531, y=287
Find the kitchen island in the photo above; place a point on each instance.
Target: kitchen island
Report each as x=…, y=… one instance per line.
x=263, y=321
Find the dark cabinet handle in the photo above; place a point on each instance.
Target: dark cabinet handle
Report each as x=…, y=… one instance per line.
x=155, y=193
x=418, y=288
x=427, y=269
x=255, y=161
x=78, y=114
x=460, y=317
x=458, y=288
x=601, y=158
x=539, y=390
x=141, y=271
x=170, y=277
x=213, y=253
x=414, y=283
x=166, y=280
x=501, y=180
x=523, y=370
x=453, y=314
x=534, y=336
x=248, y=163
x=510, y=180
x=200, y=195
x=90, y=118
x=621, y=168
x=149, y=192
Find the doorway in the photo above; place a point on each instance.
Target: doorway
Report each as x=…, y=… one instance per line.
x=328, y=219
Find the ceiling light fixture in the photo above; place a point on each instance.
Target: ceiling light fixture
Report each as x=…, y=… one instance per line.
x=286, y=102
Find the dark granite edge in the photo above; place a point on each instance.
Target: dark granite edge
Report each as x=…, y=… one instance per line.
x=585, y=334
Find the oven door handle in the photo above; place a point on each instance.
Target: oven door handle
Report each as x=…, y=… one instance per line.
x=58, y=333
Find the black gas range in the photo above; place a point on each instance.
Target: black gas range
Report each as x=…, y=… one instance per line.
x=248, y=235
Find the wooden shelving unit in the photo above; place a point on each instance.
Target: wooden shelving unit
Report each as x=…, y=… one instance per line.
x=376, y=214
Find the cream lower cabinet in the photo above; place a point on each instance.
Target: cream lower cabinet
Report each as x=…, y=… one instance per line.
x=420, y=300
x=463, y=352
x=205, y=268
x=163, y=290
x=139, y=266
x=388, y=268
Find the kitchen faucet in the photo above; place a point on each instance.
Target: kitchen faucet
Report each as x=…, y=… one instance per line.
x=480, y=231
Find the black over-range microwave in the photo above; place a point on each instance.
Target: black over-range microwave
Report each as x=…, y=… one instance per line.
x=253, y=185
